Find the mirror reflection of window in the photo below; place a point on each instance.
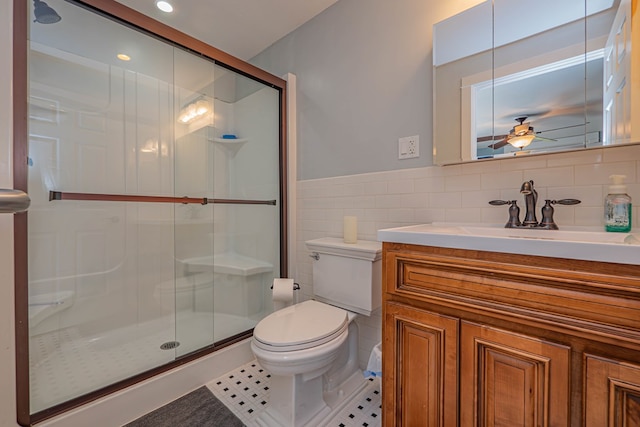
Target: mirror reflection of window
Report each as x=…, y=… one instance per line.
x=548, y=85
x=560, y=102
x=558, y=79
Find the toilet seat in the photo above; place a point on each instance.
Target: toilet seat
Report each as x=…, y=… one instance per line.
x=301, y=326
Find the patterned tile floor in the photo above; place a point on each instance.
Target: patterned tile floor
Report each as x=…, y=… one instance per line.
x=245, y=391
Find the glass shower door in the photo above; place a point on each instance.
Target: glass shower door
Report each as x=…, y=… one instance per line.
x=155, y=184
x=98, y=266
x=247, y=202
x=227, y=251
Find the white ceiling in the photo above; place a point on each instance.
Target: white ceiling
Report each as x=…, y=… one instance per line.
x=242, y=28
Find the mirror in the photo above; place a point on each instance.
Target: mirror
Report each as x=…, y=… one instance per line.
x=534, y=76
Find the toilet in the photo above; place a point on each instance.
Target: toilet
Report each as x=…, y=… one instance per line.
x=311, y=348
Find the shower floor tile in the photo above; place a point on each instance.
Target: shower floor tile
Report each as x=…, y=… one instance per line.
x=65, y=364
x=246, y=391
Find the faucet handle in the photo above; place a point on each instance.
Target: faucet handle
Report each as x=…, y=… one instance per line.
x=514, y=212
x=565, y=202
x=547, y=216
x=547, y=212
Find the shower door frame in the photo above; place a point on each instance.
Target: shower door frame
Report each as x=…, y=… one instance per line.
x=127, y=16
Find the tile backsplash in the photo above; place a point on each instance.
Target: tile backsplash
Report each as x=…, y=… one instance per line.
x=457, y=193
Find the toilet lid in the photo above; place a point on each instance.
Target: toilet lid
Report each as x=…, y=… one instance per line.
x=300, y=326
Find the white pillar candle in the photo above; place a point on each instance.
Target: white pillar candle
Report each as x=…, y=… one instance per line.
x=350, y=231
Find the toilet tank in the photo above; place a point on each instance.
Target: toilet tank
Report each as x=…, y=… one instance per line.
x=347, y=275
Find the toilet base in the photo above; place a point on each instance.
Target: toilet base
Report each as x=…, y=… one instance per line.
x=331, y=403
x=317, y=387
x=297, y=402
x=335, y=398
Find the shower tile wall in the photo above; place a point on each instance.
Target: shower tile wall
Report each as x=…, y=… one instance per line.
x=72, y=148
x=254, y=175
x=456, y=193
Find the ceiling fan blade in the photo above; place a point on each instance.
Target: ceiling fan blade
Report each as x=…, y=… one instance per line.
x=545, y=139
x=490, y=138
x=499, y=144
x=563, y=127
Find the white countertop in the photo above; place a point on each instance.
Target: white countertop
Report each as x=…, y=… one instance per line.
x=582, y=243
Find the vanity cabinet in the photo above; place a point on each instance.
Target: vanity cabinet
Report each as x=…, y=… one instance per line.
x=474, y=338
x=612, y=393
x=508, y=379
x=425, y=387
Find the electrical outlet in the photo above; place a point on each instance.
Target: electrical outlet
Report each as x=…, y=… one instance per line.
x=409, y=147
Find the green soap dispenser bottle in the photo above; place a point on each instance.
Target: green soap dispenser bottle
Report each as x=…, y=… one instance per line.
x=617, y=206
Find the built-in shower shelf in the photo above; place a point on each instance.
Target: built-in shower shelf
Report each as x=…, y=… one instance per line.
x=227, y=263
x=230, y=145
x=42, y=306
x=168, y=222
x=231, y=141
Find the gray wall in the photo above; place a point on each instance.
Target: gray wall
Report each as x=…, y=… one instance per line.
x=364, y=73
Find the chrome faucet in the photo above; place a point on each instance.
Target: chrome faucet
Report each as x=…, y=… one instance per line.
x=530, y=200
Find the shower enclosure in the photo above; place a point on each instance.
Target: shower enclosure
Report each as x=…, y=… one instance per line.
x=157, y=218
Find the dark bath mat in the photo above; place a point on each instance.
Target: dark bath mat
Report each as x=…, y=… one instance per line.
x=200, y=408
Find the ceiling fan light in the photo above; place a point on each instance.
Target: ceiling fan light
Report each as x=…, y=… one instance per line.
x=521, y=141
x=202, y=107
x=522, y=129
x=194, y=110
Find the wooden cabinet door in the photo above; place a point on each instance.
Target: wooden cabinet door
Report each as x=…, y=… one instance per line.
x=420, y=368
x=612, y=393
x=511, y=380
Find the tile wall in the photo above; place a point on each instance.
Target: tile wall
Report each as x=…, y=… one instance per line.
x=456, y=193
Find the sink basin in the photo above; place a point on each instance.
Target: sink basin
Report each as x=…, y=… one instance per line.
x=571, y=242
x=559, y=235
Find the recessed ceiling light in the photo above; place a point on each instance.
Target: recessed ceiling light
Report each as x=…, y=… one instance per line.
x=164, y=6
x=123, y=57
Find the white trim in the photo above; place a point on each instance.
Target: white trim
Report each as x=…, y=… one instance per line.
x=292, y=173
x=546, y=68
x=7, y=313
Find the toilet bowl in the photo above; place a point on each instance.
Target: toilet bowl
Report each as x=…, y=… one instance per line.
x=311, y=348
x=300, y=339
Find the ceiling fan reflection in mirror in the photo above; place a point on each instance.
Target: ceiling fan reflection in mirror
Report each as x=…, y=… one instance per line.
x=520, y=136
